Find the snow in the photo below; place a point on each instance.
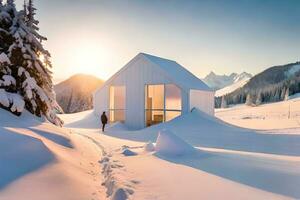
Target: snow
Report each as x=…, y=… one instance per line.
x=226, y=81
x=200, y=129
x=20, y=159
x=42, y=161
x=4, y=58
x=3, y=98
x=12, y=100
x=215, y=156
x=235, y=162
x=8, y=80
x=16, y=101
x=149, y=147
x=169, y=144
x=280, y=115
x=236, y=85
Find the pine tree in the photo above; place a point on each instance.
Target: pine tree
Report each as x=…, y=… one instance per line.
x=32, y=23
x=224, y=102
x=11, y=3
x=30, y=81
x=258, y=99
x=287, y=94
x=9, y=98
x=249, y=100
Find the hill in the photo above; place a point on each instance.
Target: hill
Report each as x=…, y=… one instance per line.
x=75, y=93
x=274, y=84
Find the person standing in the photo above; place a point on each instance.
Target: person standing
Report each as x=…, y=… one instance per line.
x=103, y=120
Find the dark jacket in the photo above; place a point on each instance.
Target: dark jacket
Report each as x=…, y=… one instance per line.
x=103, y=119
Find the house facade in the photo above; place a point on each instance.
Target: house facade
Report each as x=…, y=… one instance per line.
x=150, y=90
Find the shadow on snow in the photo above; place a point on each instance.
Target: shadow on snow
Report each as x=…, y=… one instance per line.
x=258, y=172
x=26, y=155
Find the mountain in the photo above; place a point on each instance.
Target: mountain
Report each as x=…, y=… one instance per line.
x=239, y=81
x=274, y=84
x=217, y=82
x=75, y=93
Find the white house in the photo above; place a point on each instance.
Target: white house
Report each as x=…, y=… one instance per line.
x=150, y=90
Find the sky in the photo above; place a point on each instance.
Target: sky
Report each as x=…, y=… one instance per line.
x=99, y=37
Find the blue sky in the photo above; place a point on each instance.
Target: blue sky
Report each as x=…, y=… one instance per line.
x=99, y=37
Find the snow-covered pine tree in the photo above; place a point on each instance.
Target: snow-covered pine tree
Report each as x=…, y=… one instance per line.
x=9, y=99
x=249, y=101
x=287, y=94
x=224, y=102
x=258, y=99
x=26, y=78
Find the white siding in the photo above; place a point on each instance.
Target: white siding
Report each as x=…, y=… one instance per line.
x=203, y=100
x=101, y=100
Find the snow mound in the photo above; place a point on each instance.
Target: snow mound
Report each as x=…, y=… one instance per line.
x=149, y=147
x=128, y=152
x=117, y=126
x=169, y=144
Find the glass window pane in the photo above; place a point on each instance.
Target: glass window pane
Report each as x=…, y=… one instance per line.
x=173, y=97
x=154, y=117
x=111, y=97
x=117, y=97
x=155, y=97
x=117, y=115
x=172, y=114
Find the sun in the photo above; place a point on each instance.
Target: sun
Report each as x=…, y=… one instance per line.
x=90, y=58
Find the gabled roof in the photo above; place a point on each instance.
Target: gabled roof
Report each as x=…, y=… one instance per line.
x=175, y=72
x=178, y=73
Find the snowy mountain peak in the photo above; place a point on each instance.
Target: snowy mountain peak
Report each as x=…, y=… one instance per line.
x=238, y=81
x=220, y=81
x=211, y=74
x=242, y=76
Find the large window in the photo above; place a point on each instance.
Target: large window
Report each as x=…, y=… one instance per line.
x=117, y=103
x=162, y=103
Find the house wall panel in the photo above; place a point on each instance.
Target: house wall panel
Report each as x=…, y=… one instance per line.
x=203, y=100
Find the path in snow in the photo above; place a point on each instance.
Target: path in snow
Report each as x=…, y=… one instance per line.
x=116, y=189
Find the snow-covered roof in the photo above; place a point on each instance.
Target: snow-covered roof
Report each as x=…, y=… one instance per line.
x=178, y=73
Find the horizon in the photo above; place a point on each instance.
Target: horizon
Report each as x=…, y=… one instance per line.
x=203, y=36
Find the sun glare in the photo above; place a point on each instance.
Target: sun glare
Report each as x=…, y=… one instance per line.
x=91, y=59
x=41, y=57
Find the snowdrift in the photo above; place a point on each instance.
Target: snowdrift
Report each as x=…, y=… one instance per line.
x=202, y=130
x=20, y=154
x=169, y=144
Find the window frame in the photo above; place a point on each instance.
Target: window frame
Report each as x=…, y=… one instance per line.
x=116, y=109
x=146, y=89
